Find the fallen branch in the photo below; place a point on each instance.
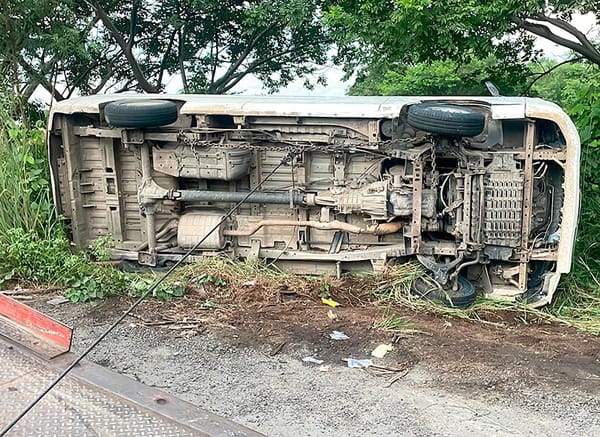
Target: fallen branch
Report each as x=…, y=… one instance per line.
x=188, y=326
x=277, y=348
x=21, y=297
x=395, y=378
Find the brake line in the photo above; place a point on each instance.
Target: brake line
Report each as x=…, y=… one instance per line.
x=150, y=290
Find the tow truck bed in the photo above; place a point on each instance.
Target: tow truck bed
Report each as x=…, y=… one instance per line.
x=93, y=400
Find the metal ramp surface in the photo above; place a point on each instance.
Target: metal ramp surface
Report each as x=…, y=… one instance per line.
x=94, y=401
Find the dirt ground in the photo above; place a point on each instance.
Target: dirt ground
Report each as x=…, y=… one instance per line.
x=243, y=360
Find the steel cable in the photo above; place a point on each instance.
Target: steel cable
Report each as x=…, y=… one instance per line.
x=150, y=290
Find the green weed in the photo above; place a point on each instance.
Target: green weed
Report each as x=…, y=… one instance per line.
x=100, y=247
x=25, y=199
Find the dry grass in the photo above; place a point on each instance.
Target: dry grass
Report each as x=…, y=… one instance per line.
x=251, y=283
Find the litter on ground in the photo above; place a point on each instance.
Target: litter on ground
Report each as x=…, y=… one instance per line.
x=338, y=335
x=330, y=302
x=312, y=360
x=381, y=350
x=359, y=364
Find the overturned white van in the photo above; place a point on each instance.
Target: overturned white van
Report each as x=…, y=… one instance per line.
x=482, y=191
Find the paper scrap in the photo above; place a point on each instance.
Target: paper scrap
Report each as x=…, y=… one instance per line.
x=359, y=364
x=312, y=360
x=338, y=335
x=381, y=350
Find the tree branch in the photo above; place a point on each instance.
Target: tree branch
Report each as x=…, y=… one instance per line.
x=83, y=76
x=181, y=64
x=128, y=86
x=133, y=23
x=550, y=70
x=40, y=76
x=166, y=54
x=135, y=67
x=27, y=91
x=104, y=80
x=256, y=64
x=214, y=56
x=568, y=27
x=241, y=58
x=545, y=32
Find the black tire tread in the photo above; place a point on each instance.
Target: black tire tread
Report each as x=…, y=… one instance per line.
x=461, y=298
x=434, y=118
x=140, y=114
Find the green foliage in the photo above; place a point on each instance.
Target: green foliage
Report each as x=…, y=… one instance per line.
x=25, y=200
x=580, y=95
x=438, y=78
x=87, y=281
x=325, y=289
x=409, y=31
x=414, y=31
x=276, y=41
x=205, y=278
x=100, y=247
x=139, y=284
x=566, y=85
x=71, y=47
x=26, y=257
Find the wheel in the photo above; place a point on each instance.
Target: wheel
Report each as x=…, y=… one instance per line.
x=140, y=113
x=461, y=298
x=129, y=266
x=438, y=118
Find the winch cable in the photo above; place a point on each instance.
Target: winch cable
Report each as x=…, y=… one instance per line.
x=150, y=290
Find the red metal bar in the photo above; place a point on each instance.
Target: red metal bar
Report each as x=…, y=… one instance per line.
x=56, y=335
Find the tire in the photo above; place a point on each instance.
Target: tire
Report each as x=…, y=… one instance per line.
x=442, y=119
x=140, y=113
x=461, y=298
x=129, y=266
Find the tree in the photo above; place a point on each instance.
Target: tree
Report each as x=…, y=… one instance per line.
x=569, y=85
x=411, y=31
x=35, y=45
x=439, y=78
x=91, y=46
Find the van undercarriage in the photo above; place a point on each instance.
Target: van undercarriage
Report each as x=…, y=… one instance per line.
x=470, y=195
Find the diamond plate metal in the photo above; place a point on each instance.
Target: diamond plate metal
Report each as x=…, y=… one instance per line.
x=72, y=408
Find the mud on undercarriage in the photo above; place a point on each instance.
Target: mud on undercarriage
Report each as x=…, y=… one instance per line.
x=477, y=198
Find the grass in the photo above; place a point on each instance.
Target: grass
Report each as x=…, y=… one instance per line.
x=25, y=200
x=575, y=307
x=395, y=324
x=251, y=281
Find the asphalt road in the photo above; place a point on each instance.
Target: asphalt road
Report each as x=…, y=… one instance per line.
x=231, y=371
